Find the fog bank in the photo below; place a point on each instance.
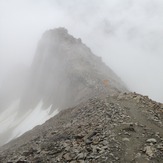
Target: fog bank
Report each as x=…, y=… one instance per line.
x=127, y=34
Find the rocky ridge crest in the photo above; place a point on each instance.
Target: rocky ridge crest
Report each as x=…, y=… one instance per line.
x=108, y=129
x=65, y=72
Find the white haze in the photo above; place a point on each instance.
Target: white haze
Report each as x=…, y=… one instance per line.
x=127, y=34
x=8, y=120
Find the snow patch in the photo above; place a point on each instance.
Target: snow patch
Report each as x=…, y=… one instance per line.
x=20, y=125
x=36, y=117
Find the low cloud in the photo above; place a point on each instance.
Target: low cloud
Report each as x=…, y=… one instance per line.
x=127, y=34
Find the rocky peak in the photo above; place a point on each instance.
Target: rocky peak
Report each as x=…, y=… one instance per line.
x=65, y=72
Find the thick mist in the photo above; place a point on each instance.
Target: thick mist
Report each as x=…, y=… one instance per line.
x=127, y=34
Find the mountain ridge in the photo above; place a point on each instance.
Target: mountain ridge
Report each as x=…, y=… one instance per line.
x=99, y=120
x=64, y=73
x=123, y=128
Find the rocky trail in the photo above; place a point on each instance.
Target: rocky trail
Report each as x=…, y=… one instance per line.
x=121, y=129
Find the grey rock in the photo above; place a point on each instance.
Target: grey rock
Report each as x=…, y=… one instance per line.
x=67, y=157
x=151, y=140
x=81, y=156
x=126, y=139
x=149, y=151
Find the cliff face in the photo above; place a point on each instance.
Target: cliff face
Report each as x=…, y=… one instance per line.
x=65, y=72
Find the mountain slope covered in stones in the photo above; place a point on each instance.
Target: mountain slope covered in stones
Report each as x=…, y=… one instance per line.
x=99, y=120
x=64, y=73
x=121, y=129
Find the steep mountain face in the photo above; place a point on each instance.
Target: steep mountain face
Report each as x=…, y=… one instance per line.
x=63, y=74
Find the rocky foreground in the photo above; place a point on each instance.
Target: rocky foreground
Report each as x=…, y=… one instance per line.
x=124, y=128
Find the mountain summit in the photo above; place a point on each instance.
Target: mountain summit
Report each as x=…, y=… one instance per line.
x=63, y=74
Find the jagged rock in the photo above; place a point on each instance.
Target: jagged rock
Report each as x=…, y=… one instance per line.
x=149, y=151
x=138, y=99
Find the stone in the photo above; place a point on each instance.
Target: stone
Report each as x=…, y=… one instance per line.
x=67, y=148
x=94, y=149
x=67, y=157
x=87, y=141
x=81, y=156
x=138, y=155
x=73, y=162
x=151, y=140
x=160, y=147
x=81, y=161
x=138, y=99
x=126, y=139
x=149, y=151
x=104, y=147
x=105, y=142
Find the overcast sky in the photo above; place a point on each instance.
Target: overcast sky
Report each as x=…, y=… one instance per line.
x=127, y=34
